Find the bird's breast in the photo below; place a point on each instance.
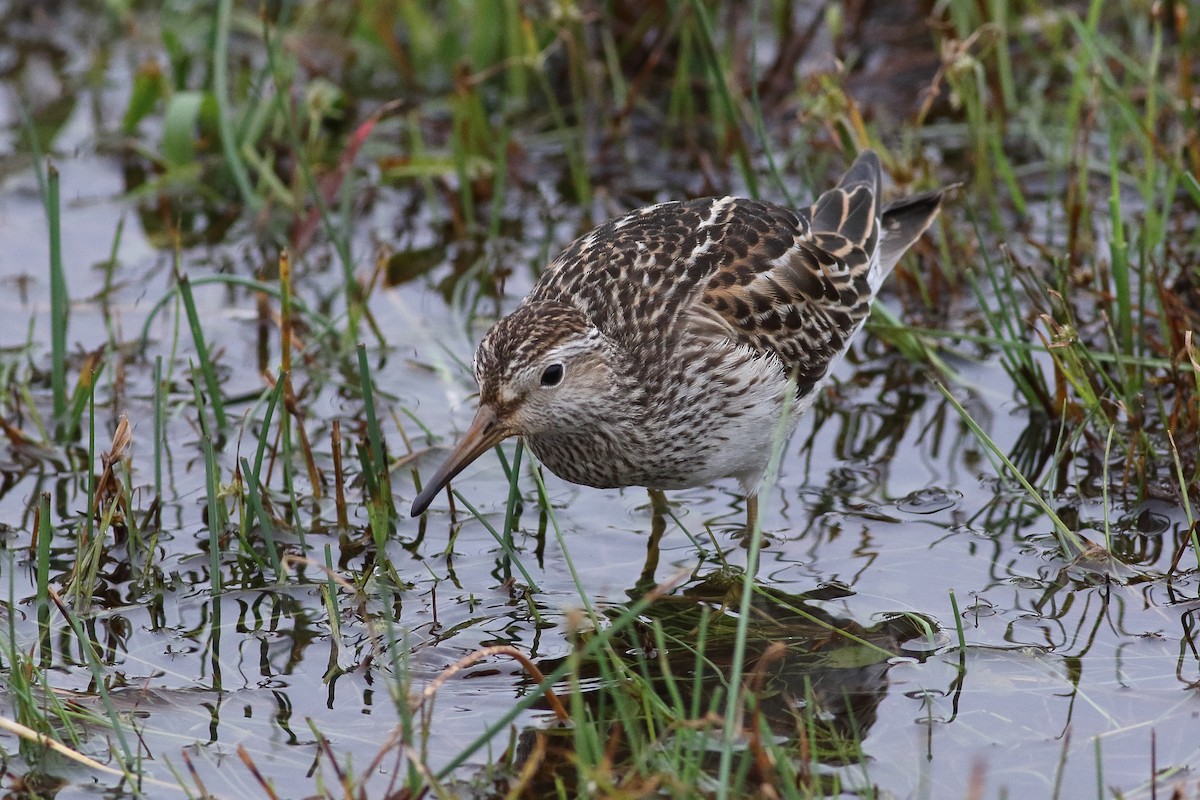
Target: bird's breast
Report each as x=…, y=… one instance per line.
x=710, y=416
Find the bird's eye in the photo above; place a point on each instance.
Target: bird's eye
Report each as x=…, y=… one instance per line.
x=552, y=375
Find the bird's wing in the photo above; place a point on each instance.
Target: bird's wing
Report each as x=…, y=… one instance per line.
x=795, y=283
x=804, y=289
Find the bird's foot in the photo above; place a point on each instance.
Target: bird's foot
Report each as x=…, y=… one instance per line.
x=747, y=533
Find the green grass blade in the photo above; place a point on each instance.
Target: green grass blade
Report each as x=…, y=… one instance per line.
x=207, y=370
x=100, y=684
x=179, y=128
x=1069, y=542
x=505, y=542
x=220, y=72
x=266, y=525
x=314, y=318
x=216, y=527
x=45, y=535
x=379, y=483
x=160, y=424
x=58, y=303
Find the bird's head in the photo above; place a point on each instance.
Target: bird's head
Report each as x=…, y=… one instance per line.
x=542, y=369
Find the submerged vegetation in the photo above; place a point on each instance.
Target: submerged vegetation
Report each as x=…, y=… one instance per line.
x=274, y=231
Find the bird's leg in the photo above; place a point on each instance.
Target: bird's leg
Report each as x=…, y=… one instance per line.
x=658, y=502
x=658, y=526
x=751, y=513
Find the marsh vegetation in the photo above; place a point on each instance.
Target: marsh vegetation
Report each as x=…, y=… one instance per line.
x=247, y=252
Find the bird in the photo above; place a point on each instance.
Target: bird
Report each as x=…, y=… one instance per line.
x=666, y=347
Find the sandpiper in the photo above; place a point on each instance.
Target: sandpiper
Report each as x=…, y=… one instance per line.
x=659, y=350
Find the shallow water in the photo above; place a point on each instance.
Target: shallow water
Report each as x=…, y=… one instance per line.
x=884, y=494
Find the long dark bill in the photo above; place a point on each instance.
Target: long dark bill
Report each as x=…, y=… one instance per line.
x=484, y=433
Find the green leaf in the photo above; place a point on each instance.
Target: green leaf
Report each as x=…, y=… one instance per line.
x=148, y=89
x=851, y=657
x=179, y=128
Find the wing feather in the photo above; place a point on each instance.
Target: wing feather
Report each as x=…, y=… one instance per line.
x=805, y=304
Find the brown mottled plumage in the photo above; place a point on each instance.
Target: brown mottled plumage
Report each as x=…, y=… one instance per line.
x=656, y=350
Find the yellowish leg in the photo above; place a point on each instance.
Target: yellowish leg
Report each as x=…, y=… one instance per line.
x=751, y=513
x=658, y=526
x=658, y=502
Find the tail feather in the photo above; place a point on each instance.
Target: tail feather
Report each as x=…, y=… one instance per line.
x=847, y=218
x=903, y=223
x=850, y=208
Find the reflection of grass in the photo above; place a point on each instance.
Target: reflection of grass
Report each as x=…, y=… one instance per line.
x=1081, y=201
x=657, y=715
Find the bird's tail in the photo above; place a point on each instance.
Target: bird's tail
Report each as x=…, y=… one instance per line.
x=903, y=223
x=847, y=221
x=851, y=208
